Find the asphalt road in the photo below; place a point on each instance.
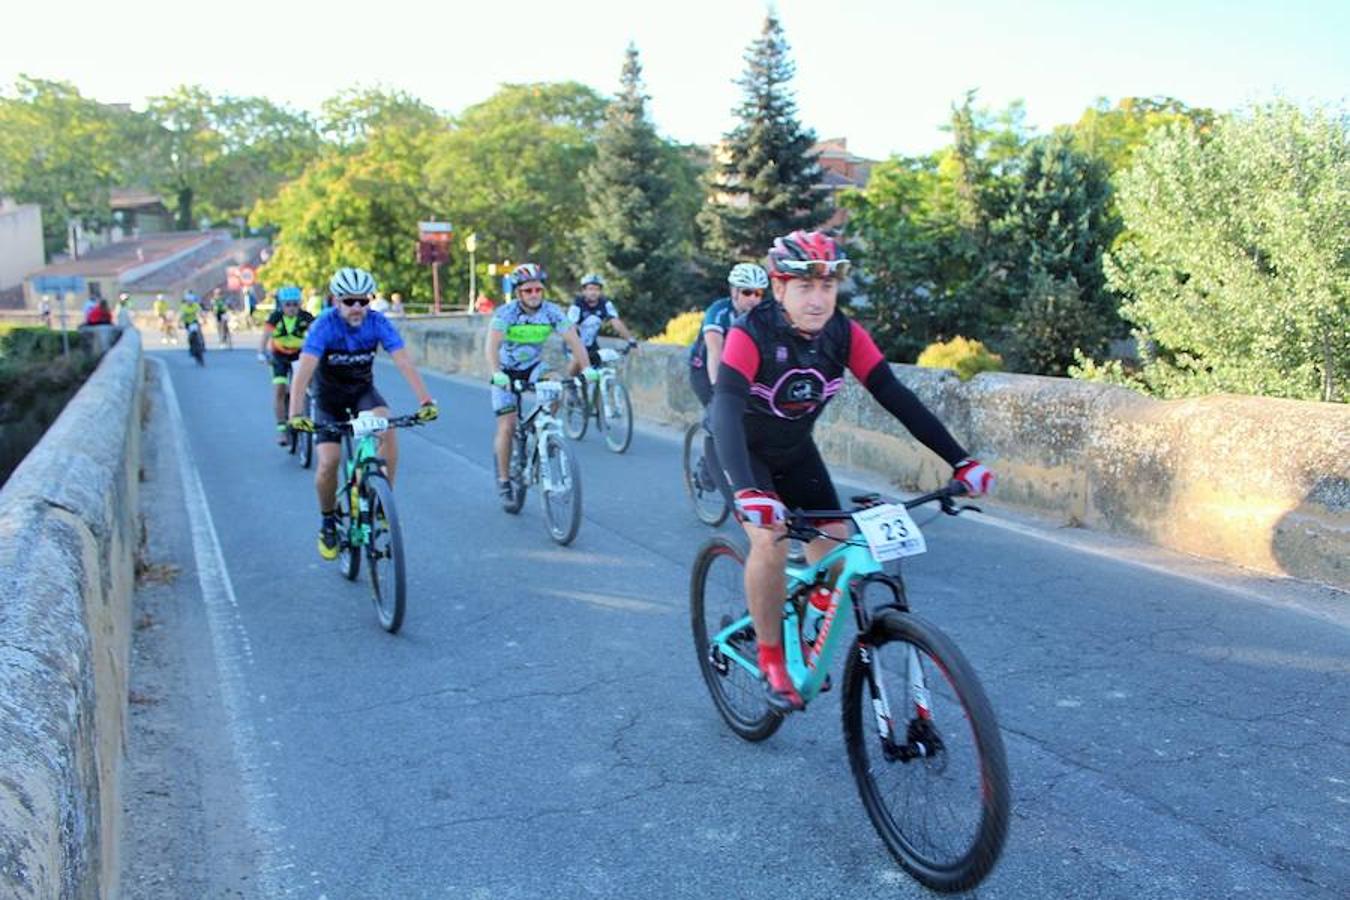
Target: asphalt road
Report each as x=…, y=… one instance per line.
x=539, y=728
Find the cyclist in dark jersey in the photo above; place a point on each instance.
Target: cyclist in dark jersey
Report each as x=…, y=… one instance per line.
x=283, y=336
x=746, y=283
x=340, y=347
x=783, y=362
x=590, y=310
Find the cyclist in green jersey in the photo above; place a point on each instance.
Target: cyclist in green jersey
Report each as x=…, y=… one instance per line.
x=515, y=350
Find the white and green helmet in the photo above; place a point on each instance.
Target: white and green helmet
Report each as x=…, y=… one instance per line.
x=748, y=275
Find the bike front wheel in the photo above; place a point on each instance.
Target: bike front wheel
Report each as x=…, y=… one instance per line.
x=575, y=413
x=388, y=579
x=932, y=773
x=717, y=602
x=700, y=481
x=617, y=409
x=560, y=493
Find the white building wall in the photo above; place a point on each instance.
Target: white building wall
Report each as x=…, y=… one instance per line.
x=20, y=242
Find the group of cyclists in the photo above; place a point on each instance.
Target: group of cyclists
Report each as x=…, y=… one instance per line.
x=193, y=310
x=768, y=359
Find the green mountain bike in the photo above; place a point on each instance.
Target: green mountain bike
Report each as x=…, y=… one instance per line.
x=368, y=522
x=923, y=743
x=540, y=457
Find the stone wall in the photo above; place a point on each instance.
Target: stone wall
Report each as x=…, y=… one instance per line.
x=68, y=537
x=1260, y=482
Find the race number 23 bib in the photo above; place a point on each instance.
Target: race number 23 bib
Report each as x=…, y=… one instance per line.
x=890, y=532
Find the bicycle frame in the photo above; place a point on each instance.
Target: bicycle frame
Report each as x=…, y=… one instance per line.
x=540, y=420
x=362, y=455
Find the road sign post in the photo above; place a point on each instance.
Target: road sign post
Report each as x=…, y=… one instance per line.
x=471, y=244
x=433, y=248
x=62, y=286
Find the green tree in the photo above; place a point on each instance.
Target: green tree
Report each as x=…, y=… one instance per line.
x=767, y=182
x=1057, y=227
x=1236, y=261
x=352, y=115
x=1113, y=133
x=64, y=152
x=634, y=236
x=216, y=156
x=926, y=234
x=354, y=207
x=510, y=169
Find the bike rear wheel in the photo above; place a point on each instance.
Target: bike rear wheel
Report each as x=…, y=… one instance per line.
x=576, y=412
x=936, y=784
x=388, y=581
x=617, y=410
x=716, y=601
x=700, y=481
x=561, y=501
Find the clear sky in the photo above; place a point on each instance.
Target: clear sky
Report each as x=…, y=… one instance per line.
x=883, y=73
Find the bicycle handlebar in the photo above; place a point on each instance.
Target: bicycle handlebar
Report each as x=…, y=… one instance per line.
x=798, y=519
x=340, y=428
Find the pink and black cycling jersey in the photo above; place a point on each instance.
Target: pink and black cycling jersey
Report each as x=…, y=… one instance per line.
x=774, y=382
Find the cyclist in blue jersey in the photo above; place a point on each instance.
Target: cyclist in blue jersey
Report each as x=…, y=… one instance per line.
x=339, y=352
x=590, y=311
x=747, y=283
x=515, y=350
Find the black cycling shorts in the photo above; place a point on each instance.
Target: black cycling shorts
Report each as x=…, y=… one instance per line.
x=798, y=477
x=332, y=410
x=281, y=368
x=698, y=380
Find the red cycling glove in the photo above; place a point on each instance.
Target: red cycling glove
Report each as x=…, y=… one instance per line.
x=761, y=508
x=975, y=476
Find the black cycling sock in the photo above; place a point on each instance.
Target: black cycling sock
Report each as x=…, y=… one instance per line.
x=329, y=516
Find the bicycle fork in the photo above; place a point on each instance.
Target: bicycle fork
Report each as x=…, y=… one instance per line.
x=921, y=739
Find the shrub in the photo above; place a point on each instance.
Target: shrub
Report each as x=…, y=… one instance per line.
x=681, y=330
x=965, y=357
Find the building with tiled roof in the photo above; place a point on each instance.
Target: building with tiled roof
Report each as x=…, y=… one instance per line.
x=143, y=267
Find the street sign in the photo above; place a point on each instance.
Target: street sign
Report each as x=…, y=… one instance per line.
x=435, y=232
x=471, y=242
x=246, y=276
x=232, y=280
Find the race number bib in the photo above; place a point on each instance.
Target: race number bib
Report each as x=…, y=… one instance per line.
x=890, y=532
x=366, y=423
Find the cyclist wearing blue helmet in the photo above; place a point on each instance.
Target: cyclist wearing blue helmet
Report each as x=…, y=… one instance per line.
x=283, y=336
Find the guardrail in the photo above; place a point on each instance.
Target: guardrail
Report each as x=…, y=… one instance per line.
x=68, y=536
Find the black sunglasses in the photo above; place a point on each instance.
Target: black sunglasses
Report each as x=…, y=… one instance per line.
x=354, y=301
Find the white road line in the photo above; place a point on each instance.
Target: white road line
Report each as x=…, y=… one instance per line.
x=232, y=650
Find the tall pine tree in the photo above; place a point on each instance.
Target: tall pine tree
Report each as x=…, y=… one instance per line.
x=767, y=181
x=634, y=238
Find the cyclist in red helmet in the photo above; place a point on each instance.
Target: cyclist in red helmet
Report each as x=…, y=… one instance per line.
x=781, y=364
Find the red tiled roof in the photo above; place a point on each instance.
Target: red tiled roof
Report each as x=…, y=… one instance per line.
x=116, y=258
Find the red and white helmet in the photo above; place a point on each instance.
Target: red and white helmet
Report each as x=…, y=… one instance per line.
x=807, y=254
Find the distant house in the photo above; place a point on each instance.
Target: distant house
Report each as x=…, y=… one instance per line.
x=841, y=170
x=20, y=248
x=168, y=263
x=136, y=212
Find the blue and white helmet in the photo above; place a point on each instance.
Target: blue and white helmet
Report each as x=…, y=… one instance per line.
x=350, y=281
x=748, y=275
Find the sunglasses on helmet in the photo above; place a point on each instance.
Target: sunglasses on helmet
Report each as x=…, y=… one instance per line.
x=354, y=301
x=814, y=268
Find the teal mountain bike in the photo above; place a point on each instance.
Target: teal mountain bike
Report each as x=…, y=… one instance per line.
x=923, y=744
x=368, y=524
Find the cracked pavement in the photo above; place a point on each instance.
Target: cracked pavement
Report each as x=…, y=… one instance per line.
x=540, y=728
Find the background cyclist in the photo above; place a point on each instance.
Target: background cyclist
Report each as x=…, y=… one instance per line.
x=783, y=361
x=590, y=310
x=283, y=336
x=515, y=348
x=746, y=283
x=340, y=348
